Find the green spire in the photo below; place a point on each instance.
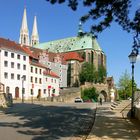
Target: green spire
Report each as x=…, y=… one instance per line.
x=80, y=30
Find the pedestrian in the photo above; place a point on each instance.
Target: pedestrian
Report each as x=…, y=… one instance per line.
x=100, y=101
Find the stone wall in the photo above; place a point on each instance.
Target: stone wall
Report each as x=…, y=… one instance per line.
x=66, y=95
x=99, y=87
x=5, y=100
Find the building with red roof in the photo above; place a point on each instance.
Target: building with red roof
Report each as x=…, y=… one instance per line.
x=20, y=69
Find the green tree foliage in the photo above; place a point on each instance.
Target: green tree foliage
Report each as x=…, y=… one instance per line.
x=101, y=74
x=87, y=73
x=125, y=86
x=104, y=12
x=89, y=93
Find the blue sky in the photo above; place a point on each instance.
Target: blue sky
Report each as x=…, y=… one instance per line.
x=58, y=21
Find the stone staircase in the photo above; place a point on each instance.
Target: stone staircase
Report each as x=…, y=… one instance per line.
x=122, y=107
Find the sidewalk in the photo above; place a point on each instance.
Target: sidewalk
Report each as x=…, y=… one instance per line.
x=110, y=125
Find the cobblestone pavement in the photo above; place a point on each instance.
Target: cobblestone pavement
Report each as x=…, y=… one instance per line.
x=110, y=125
x=46, y=121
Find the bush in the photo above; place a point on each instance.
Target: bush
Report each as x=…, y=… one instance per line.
x=89, y=93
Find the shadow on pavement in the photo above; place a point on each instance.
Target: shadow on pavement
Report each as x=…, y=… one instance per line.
x=109, y=125
x=48, y=122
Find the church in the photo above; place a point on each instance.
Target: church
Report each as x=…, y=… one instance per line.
x=79, y=49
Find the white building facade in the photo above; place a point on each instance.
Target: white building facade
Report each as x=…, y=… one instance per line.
x=14, y=64
x=22, y=77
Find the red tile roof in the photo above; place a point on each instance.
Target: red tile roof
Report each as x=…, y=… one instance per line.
x=72, y=56
x=11, y=45
x=50, y=73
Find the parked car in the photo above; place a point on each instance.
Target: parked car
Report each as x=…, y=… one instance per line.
x=78, y=100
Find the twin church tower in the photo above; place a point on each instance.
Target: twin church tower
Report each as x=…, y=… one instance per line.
x=24, y=32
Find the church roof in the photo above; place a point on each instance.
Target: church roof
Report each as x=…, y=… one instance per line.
x=72, y=56
x=71, y=44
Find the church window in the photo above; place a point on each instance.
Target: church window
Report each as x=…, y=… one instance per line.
x=88, y=57
x=99, y=60
x=24, y=40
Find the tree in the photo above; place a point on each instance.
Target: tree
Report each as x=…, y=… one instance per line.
x=87, y=73
x=104, y=12
x=89, y=93
x=101, y=74
x=125, y=86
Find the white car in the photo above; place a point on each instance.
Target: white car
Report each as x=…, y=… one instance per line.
x=78, y=100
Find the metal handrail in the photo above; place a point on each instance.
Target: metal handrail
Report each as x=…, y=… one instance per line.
x=129, y=104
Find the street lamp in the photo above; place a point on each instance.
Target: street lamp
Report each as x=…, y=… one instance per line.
x=132, y=58
x=22, y=88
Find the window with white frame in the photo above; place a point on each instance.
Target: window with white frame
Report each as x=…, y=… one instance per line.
x=18, y=66
x=18, y=76
x=24, y=77
x=6, y=75
x=35, y=79
x=12, y=75
x=44, y=91
x=35, y=70
x=31, y=69
x=12, y=64
x=40, y=81
x=40, y=71
x=12, y=55
x=6, y=63
x=24, y=67
x=31, y=79
x=18, y=56
x=24, y=58
x=5, y=53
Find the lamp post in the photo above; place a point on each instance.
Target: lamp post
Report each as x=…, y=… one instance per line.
x=132, y=58
x=22, y=89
